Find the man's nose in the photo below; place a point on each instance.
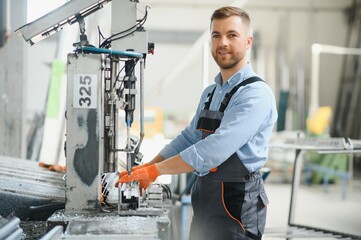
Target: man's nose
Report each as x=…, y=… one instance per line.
x=223, y=41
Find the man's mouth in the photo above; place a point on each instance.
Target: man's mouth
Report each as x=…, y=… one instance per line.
x=223, y=52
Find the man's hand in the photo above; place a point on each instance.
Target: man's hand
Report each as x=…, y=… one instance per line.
x=122, y=174
x=145, y=176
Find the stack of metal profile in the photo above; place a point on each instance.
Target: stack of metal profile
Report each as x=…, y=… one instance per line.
x=23, y=184
x=10, y=229
x=56, y=233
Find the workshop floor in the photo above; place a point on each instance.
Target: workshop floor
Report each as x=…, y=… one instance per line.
x=315, y=208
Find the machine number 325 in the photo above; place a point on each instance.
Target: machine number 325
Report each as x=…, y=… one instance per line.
x=85, y=91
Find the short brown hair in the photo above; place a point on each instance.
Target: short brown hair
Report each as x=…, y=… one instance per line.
x=226, y=12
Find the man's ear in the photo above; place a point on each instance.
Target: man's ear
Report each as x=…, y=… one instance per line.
x=249, y=42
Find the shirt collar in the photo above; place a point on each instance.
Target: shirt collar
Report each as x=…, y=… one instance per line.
x=241, y=75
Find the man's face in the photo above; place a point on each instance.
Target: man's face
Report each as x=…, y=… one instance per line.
x=230, y=40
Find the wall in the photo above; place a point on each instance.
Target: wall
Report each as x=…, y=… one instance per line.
x=13, y=56
x=286, y=30
x=286, y=34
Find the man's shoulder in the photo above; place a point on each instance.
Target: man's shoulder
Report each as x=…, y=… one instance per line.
x=209, y=88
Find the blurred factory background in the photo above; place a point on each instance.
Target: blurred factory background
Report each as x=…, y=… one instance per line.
x=182, y=66
x=303, y=75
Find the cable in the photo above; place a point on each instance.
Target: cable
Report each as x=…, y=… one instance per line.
x=106, y=43
x=136, y=26
x=131, y=70
x=167, y=190
x=100, y=35
x=117, y=77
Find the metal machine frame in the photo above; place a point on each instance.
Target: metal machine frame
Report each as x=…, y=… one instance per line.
x=321, y=146
x=101, y=81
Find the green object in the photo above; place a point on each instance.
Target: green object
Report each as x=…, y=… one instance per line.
x=336, y=162
x=54, y=94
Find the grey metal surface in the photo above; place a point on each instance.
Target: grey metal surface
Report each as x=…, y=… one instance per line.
x=54, y=234
x=124, y=16
x=84, y=161
x=29, y=171
x=10, y=229
x=16, y=235
x=300, y=233
x=130, y=227
x=55, y=20
x=142, y=212
x=23, y=184
x=149, y=223
x=21, y=176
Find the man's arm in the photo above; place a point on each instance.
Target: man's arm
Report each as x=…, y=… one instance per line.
x=248, y=114
x=174, y=165
x=149, y=174
x=157, y=159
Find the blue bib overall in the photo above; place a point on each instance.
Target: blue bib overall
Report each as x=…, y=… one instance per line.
x=229, y=202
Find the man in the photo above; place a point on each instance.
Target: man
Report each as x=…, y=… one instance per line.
x=226, y=142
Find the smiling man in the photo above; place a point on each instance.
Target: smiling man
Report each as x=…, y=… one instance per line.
x=226, y=143
x=230, y=40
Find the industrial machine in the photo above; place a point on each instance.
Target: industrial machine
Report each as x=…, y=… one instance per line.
x=102, y=88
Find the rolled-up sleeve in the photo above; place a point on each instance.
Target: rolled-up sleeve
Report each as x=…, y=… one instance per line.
x=248, y=112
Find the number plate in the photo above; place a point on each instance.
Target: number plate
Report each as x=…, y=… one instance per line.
x=85, y=91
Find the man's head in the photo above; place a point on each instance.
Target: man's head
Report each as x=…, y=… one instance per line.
x=226, y=12
x=230, y=32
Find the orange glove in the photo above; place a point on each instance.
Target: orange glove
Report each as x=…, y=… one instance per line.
x=53, y=167
x=145, y=176
x=133, y=169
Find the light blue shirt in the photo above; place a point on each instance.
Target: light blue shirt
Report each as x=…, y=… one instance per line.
x=245, y=128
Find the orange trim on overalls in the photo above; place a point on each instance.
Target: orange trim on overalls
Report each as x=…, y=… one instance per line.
x=224, y=206
x=205, y=130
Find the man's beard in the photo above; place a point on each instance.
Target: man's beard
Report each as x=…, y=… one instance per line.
x=233, y=61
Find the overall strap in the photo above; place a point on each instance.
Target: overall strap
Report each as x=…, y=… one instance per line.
x=209, y=99
x=229, y=95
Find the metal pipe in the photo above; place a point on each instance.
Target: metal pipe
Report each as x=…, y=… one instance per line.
x=109, y=51
x=296, y=176
x=141, y=105
x=128, y=149
x=54, y=233
x=112, y=134
x=130, y=97
x=101, y=119
x=119, y=197
x=8, y=228
x=16, y=235
x=141, y=98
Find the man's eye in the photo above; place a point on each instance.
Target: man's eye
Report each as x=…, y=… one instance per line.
x=233, y=35
x=215, y=36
